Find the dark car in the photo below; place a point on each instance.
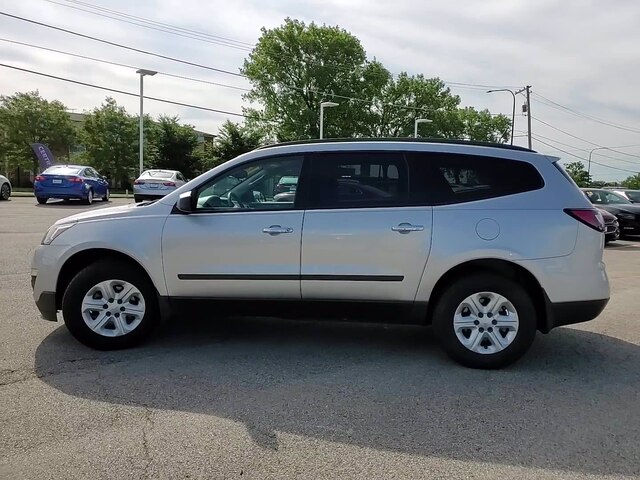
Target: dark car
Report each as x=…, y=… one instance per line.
x=627, y=213
x=632, y=195
x=612, y=227
x=70, y=182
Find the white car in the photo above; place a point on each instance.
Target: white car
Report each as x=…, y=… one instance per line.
x=5, y=188
x=154, y=184
x=486, y=243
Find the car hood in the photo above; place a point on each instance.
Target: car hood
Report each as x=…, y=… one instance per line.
x=130, y=210
x=615, y=209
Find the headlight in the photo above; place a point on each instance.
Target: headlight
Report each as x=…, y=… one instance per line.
x=54, y=231
x=626, y=216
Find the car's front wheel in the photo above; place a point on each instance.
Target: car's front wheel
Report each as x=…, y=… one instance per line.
x=485, y=321
x=110, y=305
x=105, y=197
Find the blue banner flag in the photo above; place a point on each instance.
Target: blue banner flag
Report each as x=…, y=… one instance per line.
x=45, y=157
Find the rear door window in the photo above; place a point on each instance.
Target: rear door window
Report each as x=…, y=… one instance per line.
x=358, y=180
x=443, y=178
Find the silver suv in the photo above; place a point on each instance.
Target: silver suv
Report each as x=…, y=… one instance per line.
x=486, y=243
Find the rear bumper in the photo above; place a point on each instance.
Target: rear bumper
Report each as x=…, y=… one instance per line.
x=568, y=313
x=60, y=192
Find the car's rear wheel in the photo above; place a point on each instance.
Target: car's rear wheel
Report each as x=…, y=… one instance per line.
x=137, y=199
x=110, y=305
x=485, y=321
x=105, y=197
x=42, y=200
x=5, y=191
x=89, y=198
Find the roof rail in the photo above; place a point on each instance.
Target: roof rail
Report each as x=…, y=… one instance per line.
x=399, y=139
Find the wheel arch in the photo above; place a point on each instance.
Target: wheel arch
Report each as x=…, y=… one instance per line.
x=83, y=258
x=501, y=267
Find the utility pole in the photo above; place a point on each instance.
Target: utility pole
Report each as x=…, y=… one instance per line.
x=528, y=88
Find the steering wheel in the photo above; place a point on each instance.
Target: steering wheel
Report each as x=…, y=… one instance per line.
x=234, y=199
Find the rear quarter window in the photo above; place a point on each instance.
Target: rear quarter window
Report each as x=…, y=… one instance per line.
x=442, y=179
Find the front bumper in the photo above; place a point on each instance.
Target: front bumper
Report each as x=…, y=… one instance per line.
x=568, y=313
x=46, y=303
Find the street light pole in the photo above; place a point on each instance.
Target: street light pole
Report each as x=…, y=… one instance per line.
x=142, y=72
x=415, y=125
x=589, y=162
x=513, y=112
x=322, y=107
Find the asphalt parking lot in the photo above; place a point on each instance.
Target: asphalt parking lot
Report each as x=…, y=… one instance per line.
x=225, y=398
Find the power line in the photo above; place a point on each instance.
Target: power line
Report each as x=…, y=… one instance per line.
x=343, y=97
x=153, y=27
x=109, y=62
x=145, y=52
x=218, y=40
x=558, y=106
x=584, y=140
x=108, y=89
x=423, y=109
x=584, y=159
x=586, y=150
x=167, y=25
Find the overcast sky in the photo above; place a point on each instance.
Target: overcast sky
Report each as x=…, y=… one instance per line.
x=584, y=55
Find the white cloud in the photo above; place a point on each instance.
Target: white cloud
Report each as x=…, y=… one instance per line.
x=583, y=55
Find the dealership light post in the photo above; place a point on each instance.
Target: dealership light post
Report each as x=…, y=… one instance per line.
x=322, y=107
x=415, y=125
x=513, y=113
x=142, y=72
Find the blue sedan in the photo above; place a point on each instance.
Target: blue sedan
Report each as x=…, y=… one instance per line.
x=70, y=182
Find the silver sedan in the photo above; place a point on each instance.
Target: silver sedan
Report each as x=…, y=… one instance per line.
x=154, y=184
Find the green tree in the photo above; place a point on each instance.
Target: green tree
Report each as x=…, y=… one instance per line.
x=632, y=182
x=482, y=126
x=176, y=147
x=111, y=139
x=295, y=67
x=27, y=118
x=579, y=174
x=232, y=140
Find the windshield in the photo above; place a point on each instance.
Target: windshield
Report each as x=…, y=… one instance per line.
x=62, y=170
x=602, y=197
x=634, y=196
x=156, y=174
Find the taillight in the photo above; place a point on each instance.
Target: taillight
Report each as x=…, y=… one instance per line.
x=74, y=179
x=169, y=184
x=589, y=216
x=139, y=182
x=40, y=178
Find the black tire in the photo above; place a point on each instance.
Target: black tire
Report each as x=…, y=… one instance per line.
x=5, y=191
x=462, y=288
x=94, y=274
x=42, y=200
x=137, y=199
x=105, y=197
x=89, y=199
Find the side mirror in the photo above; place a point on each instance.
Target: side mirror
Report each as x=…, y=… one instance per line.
x=185, y=202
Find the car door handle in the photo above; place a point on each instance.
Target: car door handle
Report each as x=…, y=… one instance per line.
x=277, y=230
x=407, y=227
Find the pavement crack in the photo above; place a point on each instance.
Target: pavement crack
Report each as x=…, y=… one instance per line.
x=146, y=451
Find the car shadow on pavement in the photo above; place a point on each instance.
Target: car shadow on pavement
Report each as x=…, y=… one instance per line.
x=71, y=204
x=571, y=404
